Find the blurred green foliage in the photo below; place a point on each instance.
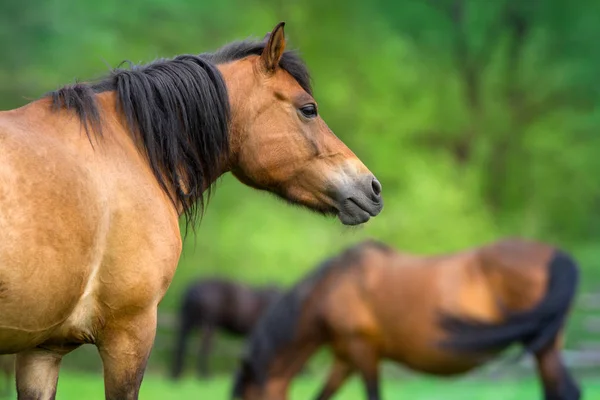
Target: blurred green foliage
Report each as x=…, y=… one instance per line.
x=480, y=118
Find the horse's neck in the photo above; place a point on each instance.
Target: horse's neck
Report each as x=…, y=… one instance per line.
x=107, y=101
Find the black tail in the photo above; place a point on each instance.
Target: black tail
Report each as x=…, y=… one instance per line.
x=535, y=328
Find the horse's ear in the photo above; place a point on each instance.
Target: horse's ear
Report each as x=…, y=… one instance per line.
x=274, y=48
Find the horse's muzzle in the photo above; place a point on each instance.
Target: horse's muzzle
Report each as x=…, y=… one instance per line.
x=358, y=202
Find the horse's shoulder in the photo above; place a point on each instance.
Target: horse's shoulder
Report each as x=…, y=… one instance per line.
x=515, y=253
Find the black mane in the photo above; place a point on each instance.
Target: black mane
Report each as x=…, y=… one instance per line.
x=179, y=109
x=278, y=325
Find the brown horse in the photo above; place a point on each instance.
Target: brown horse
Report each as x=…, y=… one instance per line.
x=94, y=178
x=7, y=368
x=441, y=315
x=218, y=304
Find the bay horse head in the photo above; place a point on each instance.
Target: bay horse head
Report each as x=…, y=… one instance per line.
x=279, y=142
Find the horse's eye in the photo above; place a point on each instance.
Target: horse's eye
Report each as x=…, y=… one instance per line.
x=309, y=111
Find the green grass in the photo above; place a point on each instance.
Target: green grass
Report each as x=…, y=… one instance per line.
x=89, y=386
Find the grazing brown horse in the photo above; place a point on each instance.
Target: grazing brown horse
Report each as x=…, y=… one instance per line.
x=94, y=178
x=218, y=304
x=442, y=315
x=7, y=367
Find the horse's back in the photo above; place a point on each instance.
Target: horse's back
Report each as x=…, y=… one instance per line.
x=407, y=283
x=516, y=271
x=516, y=253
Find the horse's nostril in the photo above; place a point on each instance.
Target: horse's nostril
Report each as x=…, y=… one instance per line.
x=376, y=187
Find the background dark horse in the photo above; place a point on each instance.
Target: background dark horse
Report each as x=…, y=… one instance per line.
x=218, y=304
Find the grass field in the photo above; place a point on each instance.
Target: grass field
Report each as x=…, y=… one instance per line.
x=73, y=386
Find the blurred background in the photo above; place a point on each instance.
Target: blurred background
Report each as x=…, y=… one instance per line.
x=480, y=118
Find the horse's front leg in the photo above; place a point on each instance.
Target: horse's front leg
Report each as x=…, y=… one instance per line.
x=125, y=346
x=208, y=330
x=37, y=374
